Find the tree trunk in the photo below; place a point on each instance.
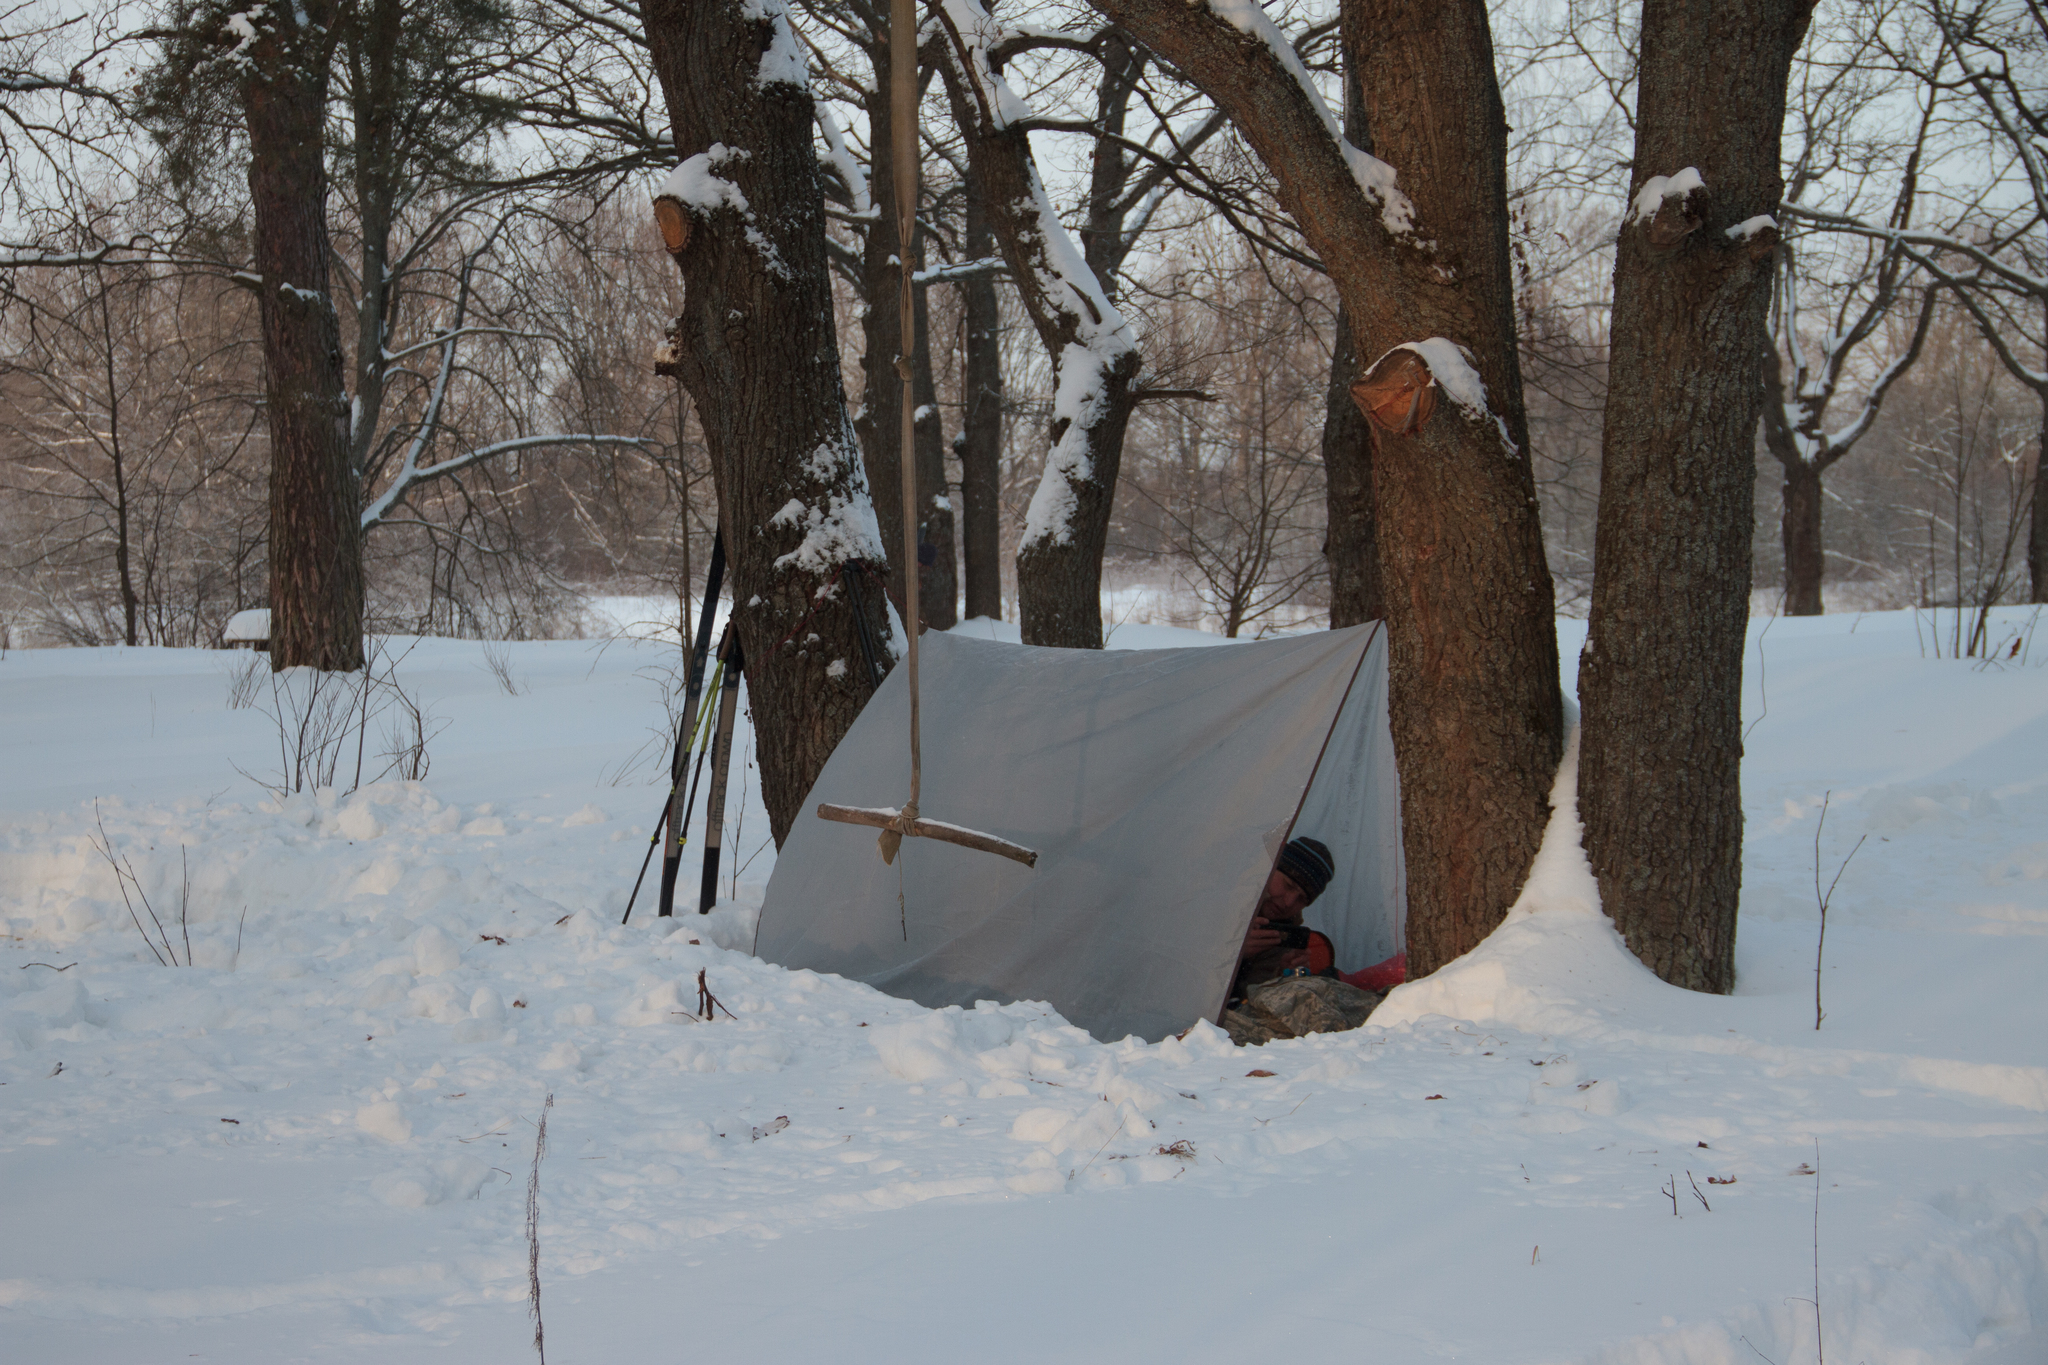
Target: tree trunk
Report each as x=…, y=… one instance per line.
x=1800, y=529
x=980, y=443
x=879, y=425
x=756, y=349
x=316, y=562
x=2037, y=522
x=1349, y=544
x=938, y=586
x=1472, y=668
x=124, y=566
x=1661, y=676
x=1059, y=563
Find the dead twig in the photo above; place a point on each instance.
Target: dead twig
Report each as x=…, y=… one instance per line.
x=124, y=877
x=1098, y=1151
x=1697, y=1194
x=52, y=966
x=1824, y=900
x=540, y=1149
x=707, y=1003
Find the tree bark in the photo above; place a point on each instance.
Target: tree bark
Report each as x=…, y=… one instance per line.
x=316, y=563
x=756, y=349
x=1350, y=545
x=1661, y=675
x=938, y=587
x=1799, y=531
x=1059, y=563
x=2037, y=521
x=980, y=443
x=1472, y=668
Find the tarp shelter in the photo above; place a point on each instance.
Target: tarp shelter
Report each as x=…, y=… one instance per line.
x=1157, y=787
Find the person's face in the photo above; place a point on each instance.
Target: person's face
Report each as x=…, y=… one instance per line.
x=1282, y=901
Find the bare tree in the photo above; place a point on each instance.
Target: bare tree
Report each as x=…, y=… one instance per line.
x=1096, y=358
x=129, y=453
x=1986, y=58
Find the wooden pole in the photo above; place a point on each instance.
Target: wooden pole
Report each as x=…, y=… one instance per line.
x=889, y=820
x=903, y=119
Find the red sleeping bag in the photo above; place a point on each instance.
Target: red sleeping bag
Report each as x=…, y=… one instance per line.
x=1381, y=976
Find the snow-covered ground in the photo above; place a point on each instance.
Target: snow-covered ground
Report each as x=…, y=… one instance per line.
x=314, y=1143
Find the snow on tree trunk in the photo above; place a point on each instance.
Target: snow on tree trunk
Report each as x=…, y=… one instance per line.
x=316, y=563
x=1661, y=675
x=1472, y=669
x=1095, y=360
x=756, y=350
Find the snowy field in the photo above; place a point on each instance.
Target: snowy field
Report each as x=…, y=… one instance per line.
x=313, y=1143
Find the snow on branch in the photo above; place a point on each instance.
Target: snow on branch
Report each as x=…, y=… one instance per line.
x=1100, y=344
x=412, y=475
x=961, y=270
x=1374, y=176
x=698, y=187
x=1672, y=207
x=1984, y=257
x=841, y=161
x=975, y=31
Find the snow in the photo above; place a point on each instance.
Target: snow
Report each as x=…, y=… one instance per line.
x=783, y=61
x=979, y=31
x=1751, y=227
x=843, y=161
x=313, y=1143
x=1658, y=188
x=841, y=528
x=697, y=185
x=252, y=624
x=1078, y=401
x=243, y=26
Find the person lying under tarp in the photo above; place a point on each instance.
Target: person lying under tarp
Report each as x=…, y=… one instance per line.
x=1287, y=982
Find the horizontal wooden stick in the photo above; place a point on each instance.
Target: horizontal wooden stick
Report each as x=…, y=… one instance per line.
x=885, y=817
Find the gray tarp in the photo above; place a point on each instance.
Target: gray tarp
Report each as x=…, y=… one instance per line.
x=1155, y=786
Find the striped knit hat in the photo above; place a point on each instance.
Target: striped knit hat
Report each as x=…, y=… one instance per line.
x=1308, y=865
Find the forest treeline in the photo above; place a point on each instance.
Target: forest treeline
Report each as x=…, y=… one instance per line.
x=135, y=457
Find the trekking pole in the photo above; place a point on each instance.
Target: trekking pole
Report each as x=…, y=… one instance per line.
x=672, y=851
x=695, y=732
x=686, y=734
x=721, y=766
